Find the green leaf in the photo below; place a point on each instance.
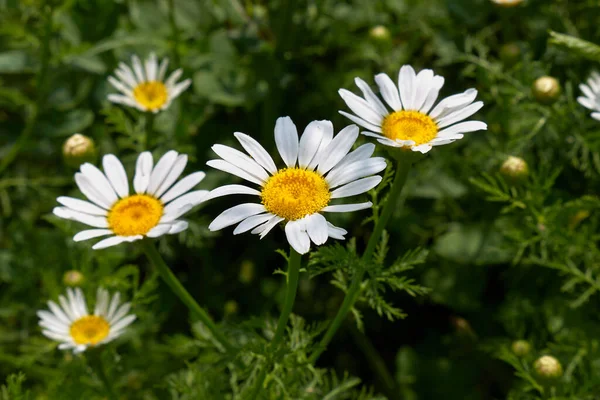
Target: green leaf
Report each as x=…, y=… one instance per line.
x=578, y=46
x=67, y=124
x=15, y=62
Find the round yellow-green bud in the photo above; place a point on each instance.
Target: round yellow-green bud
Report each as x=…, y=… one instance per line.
x=73, y=278
x=546, y=89
x=246, y=272
x=510, y=53
x=79, y=149
x=548, y=368
x=231, y=307
x=507, y=3
x=514, y=168
x=520, y=347
x=380, y=33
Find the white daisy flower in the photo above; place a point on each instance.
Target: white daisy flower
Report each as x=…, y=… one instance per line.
x=591, y=98
x=151, y=211
x=72, y=325
x=145, y=87
x=318, y=169
x=412, y=123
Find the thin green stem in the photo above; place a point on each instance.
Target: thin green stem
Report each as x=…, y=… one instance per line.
x=402, y=170
x=171, y=280
x=174, y=31
x=149, y=129
x=293, y=275
x=97, y=364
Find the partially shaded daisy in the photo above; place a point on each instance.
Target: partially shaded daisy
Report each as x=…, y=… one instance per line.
x=145, y=87
x=151, y=211
x=75, y=328
x=591, y=97
x=318, y=169
x=412, y=123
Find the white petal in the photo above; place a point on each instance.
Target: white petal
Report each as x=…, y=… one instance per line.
x=143, y=169
x=192, y=198
x=371, y=98
x=335, y=232
x=286, y=139
x=361, y=108
x=356, y=170
x=348, y=207
x=178, y=226
x=357, y=187
x=102, y=299
x=66, y=306
x=423, y=85
x=389, y=91
x=310, y=142
x=173, y=174
x=151, y=67
x=321, y=154
x=115, y=240
x=268, y=226
x=91, y=192
x=170, y=82
x=232, y=169
x=361, y=122
x=587, y=103
x=120, y=313
x=422, y=148
x=91, y=233
x=251, y=223
x=125, y=74
x=162, y=70
x=91, y=220
x=114, y=303
x=159, y=230
x=183, y=186
x=175, y=213
x=120, y=325
x=119, y=86
x=338, y=148
x=122, y=99
x=235, y=214
x=138, y=69
x=179, y=88
x=316, y=227
x=361, y=153
x=81, y=205
x=99, y=181
x=59, y=313
x=406, y=84
x=459, y=115
x=596, y=115
x=456, y=101
x=240, y=160
x=115, y=172
x=161, y=170
x=256, y=151
x=296, y=234
x=432, y=96
x=231, y=189
x=463, y=127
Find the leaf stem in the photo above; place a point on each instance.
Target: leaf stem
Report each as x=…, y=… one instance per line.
x=171, y=280
x=402, y=169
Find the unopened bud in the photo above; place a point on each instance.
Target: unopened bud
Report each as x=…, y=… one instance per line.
x=246, y=272
x=231, y=307
x=507, y=3
x=73, y=278
x=514, y=168
x=548, y=368
x=380, y=33
x=546, y=89
x=79, y=149
x=462, y=326
x=521, y=347
x=510, y=53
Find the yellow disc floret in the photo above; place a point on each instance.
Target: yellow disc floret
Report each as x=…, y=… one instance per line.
x=409, y=125
x=294, y=193
x=135, y=215
x=90, y=330
x=151, y=95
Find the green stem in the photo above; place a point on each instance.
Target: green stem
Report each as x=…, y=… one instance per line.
x=402, y=170
x=171, y=280
x=150, y=116
x=97, y=364
x=174, y=32
x=293, y=274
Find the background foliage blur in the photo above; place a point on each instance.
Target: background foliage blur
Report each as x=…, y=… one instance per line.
x=503, y=259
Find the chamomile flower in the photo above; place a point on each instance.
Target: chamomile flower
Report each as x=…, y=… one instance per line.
x=75, y=328
x=412, y=123
x=591, y=98
x=152, y=211
x=318, y=169
x=145, y=87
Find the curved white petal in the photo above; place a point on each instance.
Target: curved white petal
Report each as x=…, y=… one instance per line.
x=356, y=170
x=161, y=170
x=115, y=172
x=159, y=230
x=338, y=148
x=316, y=227
x=99, y=182
x=463, y=127
x=256, y=151
x=459, y=115
x=361, y=108
x=91, y=220
x=370, y=97
x=81, y=206
x=183, y=186
x=362, y=152
x=296, y=234
x=286, y=139
x=423, y=85
x=251, y=223
x=432, y=95
x=310, y=141
x=347, y=207
x=335, y=232
x=91, y=233
x=173, y=175
x=265, y=228
x=406, y=84
x=143, y=170
x=178, y=226
x=453, y=102
x=231, y=189
x=357, y=187
x=388, y=91
x=232, y=169
x=115, y=240
x=240, y=160
x=192, y=198
x=235, y=214
x=361, y=122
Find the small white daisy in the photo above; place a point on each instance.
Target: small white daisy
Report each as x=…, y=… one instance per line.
x=152, y=211
x=412, y=123
x=145, y=87
x=318, y=170
x=72, y=325
x=591, y=98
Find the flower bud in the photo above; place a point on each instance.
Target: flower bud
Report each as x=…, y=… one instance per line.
x=246, y=274
x=507, y=3
x=79, y=149
x=546, y=89
x=521, y=347
x=380, y=33
x=231, y=307
x=73, y=278
x=548, y=368
x=514, y=168
x=510, y=53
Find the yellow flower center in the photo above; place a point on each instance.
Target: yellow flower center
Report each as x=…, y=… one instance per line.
x=409, y=125
x=294, y=193
x=135, y=215
x=90, y=329
x=152, y=94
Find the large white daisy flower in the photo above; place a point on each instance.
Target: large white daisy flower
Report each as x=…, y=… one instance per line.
x=318, y=169
x=72, y=325
x=412, y=123
x=151, y=211
x=591, y=98
x=145, y=87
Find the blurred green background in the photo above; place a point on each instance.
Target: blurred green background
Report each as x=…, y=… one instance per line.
x=506, y=260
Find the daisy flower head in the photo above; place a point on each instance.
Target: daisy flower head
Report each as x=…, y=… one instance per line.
x=144, y=87
x=591, y=97
x=412, y=123
x=318, y=169
x=75, y=328
x=152, y=211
